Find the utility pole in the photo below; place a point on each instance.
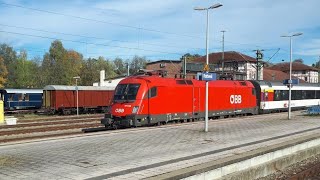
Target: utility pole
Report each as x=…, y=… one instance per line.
x=318, y=70
x=223, y=31
x=258, y=58
x=128, y=73
x=185, y=67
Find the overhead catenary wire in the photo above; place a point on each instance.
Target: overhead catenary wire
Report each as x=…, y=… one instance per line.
x=99, y=21
x=112, y=23
x=84, y=42
x=91, y=37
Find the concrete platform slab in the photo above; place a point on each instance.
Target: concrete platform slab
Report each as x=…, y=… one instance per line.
x=148, y=152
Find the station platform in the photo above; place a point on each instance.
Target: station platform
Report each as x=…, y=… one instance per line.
x=231, y=148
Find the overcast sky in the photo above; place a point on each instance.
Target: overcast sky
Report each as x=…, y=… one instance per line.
x=162, y=29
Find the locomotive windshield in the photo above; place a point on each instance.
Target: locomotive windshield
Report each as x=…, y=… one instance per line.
x=126, y=92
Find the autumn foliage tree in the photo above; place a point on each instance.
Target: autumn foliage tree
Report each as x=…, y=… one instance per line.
x=3, y=73
x=58, y=66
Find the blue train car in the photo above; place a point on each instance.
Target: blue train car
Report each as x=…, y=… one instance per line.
x=21, y=99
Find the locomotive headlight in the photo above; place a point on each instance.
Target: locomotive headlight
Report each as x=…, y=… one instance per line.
x=135, y=109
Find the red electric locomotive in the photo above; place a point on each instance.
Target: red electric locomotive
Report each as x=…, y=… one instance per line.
x=145, y=100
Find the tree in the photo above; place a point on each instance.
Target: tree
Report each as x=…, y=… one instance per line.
x=9, y=57
x=298, y=60
x=108, y=66
x=137, y=63
x=88, y=71
x=91, y=70
x=59, y=66
x=73, y=65
x=317, y=64
x=27, y=76
x=190, y=57
x=3, y=73
x=120, y=66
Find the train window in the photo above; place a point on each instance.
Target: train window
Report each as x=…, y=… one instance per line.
x=126, y=92
x=284, y=95
x=303, y=94
x=317, y=94
x=253, y=92
x=296, y=95
x=153, y=92
x=26, y=97
x=277, y=95
x=310, y=94
x=20, y=97
x=10, y=98
x=181, y=82
x=189, y=82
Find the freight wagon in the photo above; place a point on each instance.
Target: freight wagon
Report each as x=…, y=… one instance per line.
x=59, y=99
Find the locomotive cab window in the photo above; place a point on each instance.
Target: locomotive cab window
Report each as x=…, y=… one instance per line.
x=126, y=92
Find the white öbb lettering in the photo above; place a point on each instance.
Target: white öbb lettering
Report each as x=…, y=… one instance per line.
x=207, y=76
x=119, y=110
x=235, y=99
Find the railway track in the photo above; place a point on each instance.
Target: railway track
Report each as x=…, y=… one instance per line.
x=39, y=128
x=312, y=172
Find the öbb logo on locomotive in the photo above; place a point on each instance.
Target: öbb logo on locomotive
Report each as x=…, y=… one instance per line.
x=119, y=110
x=235, y=99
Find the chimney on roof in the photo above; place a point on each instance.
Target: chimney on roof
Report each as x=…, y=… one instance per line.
x=102, y=77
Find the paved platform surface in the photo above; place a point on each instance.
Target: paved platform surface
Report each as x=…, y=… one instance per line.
x=145, y=152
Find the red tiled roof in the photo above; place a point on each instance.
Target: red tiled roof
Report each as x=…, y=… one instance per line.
x=285, y=67
x=215, y=58
x=275, y=75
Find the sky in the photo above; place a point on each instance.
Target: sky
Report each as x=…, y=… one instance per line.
x=163, y=29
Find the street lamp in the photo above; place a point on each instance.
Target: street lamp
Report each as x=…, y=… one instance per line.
x=223, y=31
x=207, y=59
x=77, y=78
x=290, y=72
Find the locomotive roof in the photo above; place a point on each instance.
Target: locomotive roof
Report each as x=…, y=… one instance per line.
x=21, y=91
x=73, y=88
x=173, y=81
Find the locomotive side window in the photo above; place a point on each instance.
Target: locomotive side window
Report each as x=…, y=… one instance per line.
x=253, y=92
x=243, y=83
x=153, y=92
